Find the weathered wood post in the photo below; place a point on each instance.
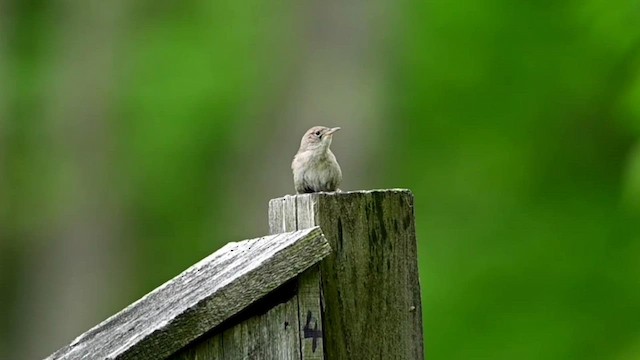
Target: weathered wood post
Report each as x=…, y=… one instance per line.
x=371, y=293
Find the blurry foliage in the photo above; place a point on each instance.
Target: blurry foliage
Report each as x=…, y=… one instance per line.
x=520, y=142
x=515, y=124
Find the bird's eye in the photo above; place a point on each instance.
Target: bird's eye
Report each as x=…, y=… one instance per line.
x=318, y=132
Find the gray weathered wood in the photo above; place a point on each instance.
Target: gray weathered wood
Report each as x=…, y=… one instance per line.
x=270, y=336
x=201, y=298
x=309, y=293
x=309, y=287
x=208, y=348
x=268, y=329
x=370, y=284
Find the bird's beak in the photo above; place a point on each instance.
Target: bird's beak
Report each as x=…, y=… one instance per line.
x=332, y=130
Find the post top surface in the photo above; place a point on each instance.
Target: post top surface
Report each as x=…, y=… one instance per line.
x=351, y=192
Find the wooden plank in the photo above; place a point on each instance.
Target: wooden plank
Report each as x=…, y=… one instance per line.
x=270, y=328
x=309, y=286
x=282, y=338
x=266, y=330
x=278, y=219
x=311, y=335
x=202, y=297
x=208, y=348
x=270, y=336
x=370, y=285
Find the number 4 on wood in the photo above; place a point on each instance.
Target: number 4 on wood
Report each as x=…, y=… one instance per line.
x=310, y=333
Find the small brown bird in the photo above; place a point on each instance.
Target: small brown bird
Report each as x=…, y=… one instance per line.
x=315, y=167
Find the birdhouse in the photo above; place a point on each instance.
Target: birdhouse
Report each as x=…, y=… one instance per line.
x=337, y=279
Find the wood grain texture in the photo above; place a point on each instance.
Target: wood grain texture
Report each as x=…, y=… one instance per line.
x=309, y=308
x=267, y=329
x=309, y=286
x=270, y=336
x=201, y=298
x=370, y=284
x=208, y=348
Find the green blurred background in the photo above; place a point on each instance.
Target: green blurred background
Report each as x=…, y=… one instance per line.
x=136, y=137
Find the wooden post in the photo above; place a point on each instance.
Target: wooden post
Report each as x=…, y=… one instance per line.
x=371, y=292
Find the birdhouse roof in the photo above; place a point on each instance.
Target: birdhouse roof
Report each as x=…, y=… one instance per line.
x=200, y=298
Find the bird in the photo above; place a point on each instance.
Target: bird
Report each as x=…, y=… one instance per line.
x=314, y=166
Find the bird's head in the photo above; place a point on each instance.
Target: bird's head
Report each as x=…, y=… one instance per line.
x=317, y=138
